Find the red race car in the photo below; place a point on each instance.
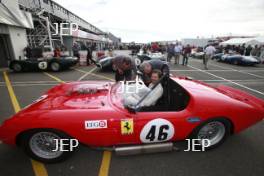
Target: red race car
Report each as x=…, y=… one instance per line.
x=93, y=113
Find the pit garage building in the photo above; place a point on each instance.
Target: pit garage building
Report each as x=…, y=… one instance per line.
x=32, y=23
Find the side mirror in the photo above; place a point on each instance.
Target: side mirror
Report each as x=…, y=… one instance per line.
x=131, y=109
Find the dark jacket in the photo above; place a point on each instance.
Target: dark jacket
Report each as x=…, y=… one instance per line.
x=156, y=65
x=159, y=65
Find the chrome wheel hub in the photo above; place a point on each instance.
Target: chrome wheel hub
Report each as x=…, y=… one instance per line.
x=213, y=131
x=43, y=145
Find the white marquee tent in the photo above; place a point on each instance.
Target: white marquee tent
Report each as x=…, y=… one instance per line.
x=246, y=41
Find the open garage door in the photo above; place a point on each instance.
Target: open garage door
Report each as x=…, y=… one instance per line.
x=4, y=51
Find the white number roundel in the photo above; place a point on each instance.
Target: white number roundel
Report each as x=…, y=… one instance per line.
x=157, y=130
x=137, y=61
x=43, y=65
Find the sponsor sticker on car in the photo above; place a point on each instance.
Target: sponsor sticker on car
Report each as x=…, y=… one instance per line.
x=127, y=126
x=43, y=65
x=95, y=124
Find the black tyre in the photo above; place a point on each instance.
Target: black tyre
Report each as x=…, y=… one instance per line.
x=39, y=145
x=215, y=130
x=17, y=67
x=235, y=62
x=55, y=66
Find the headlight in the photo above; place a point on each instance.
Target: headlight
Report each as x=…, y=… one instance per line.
x=37, y=100
x=40, y=98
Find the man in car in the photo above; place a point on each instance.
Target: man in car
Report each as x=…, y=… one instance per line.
x=153, y=94
x=125, y=68
x=148, y=66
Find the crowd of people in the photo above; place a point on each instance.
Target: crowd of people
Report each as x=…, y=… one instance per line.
x=178, y=50
x=257, y=50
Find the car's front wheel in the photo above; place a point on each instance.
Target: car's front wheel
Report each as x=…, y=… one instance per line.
x=17, y=67
x=43, y=145
x=215, y=132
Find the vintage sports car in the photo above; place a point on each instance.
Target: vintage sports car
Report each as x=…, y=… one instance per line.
x=151, y=56
x=238, y=59
x=93, y=113
x=217, y=56
x=43, y=64
x=198, y=55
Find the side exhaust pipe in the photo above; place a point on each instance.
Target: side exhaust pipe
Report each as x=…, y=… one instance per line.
x=147, y=148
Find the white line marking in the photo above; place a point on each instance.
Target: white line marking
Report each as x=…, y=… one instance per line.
x=31, y=82
x=237, y=80
x=100, y=76
x=239, y=71
x=87, y=73
x=253, y=90
x=216, y=70
x=26, y=85
x=258, y=76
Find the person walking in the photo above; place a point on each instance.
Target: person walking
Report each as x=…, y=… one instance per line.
x=57, y=52
x=177, y=52
x=186, y=53
x=262, y=52
x=89, y=56
x=209, y=52
x=76, y=48
x=170, y=52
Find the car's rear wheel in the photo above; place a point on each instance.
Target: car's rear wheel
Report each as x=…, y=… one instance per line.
x=55, y=66
x=17, y=67
x=235, y=62
x=215, y=131
x=42, y=146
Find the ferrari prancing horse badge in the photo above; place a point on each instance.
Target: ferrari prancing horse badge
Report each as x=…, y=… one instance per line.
x=127, y=126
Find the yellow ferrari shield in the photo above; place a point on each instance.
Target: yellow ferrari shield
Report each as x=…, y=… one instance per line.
x=127, y=126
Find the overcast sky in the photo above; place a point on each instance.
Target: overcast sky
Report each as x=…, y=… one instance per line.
x=155, y=20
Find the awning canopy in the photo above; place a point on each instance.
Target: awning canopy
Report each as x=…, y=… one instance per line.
x=90, y=36
x=260, y=39
x=241, y=41
x=15, y=17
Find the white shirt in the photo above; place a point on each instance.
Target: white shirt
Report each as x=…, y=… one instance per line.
x=177, y=48
x=209, y=50
x=150, y=100
x=153, y=97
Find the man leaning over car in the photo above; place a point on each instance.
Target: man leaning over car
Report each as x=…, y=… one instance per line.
x=148, y=66
x=125, y=68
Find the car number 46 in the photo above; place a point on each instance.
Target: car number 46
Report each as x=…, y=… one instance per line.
x=157, y=130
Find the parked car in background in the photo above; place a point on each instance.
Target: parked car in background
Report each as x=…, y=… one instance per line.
x=43, y=64
x=238, y=59
x=197, y=53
